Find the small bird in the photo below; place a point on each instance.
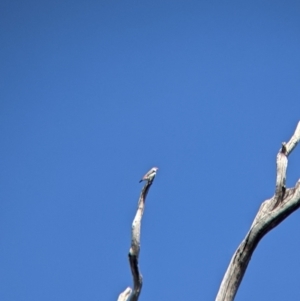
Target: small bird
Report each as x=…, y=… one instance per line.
x=149, y=175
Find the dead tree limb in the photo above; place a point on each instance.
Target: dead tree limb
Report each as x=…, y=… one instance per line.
x=134, y=251
x=270, y=214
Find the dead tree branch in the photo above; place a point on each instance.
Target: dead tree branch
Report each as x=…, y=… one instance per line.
x=134, y=251
x=270, y=214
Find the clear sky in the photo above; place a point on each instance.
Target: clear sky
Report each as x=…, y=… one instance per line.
x=93, y=94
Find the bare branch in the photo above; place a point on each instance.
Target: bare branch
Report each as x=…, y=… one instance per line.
x=124, y=296
x=134, y=251
x=270, y=214
x=294, y=140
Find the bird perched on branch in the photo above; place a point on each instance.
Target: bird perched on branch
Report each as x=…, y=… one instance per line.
x=149, y=176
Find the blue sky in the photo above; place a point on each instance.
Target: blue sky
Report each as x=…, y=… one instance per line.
x=93, y=94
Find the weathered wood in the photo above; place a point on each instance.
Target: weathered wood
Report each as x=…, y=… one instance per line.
x=124, y=296
x=134, y=251
x=271, y=213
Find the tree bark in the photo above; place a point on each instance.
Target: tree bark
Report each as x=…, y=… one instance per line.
x=270, y=214
x=134, y=251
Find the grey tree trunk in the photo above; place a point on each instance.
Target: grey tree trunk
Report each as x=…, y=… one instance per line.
x=270, y=214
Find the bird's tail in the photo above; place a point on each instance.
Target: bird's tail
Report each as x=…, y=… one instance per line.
x=141, y=181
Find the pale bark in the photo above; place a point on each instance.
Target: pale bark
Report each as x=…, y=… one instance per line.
x=134, y=251
x=271, y=213
x=124, y=296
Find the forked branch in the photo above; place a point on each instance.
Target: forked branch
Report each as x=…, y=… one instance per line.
x=271, y=213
